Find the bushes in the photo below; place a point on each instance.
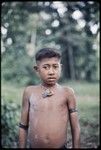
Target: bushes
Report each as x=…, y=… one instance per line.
x=9, y=122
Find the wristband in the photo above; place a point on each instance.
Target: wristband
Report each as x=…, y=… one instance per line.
x=25, y=127
x=71, y=110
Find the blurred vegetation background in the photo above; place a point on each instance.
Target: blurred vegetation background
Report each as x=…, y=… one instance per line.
x=71, y=27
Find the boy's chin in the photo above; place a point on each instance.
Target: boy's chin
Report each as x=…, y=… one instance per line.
x=50, y=83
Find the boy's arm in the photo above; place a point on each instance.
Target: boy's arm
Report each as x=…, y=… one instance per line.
x=23, y=126
x=74, y=121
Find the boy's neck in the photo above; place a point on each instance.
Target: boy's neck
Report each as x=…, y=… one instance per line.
x=49, y=85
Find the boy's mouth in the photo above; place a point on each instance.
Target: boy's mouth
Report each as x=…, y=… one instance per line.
x=51, y=78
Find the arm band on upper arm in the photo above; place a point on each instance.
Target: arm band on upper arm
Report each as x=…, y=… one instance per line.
x=25, y=127
x=71, y=110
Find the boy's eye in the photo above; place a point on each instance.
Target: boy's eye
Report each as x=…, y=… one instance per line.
x=56, y=67
x=45, y=67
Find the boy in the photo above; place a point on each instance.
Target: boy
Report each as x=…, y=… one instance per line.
x=47, y=108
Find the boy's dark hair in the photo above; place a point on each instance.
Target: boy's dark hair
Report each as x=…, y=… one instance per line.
x=47, y=53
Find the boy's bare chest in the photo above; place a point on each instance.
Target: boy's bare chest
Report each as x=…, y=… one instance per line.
x=40, y=103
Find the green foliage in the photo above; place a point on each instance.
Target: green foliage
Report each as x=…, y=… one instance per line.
x=9, y=124
x=24, y=30
x=18, y=68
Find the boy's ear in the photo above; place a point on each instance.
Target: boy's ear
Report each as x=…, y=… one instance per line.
x=35, y=68
x=61, y=65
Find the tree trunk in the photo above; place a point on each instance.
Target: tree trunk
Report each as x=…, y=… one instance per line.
x=71, y=63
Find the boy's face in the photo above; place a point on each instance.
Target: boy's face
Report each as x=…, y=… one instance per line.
x=49, y=70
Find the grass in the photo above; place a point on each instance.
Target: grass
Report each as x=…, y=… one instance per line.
x=11, y=93
x=88, y=105
x=82, y=88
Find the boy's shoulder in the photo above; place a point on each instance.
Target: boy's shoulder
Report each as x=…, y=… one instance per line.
x=69, y=93
x=68, y=89
x=29, y=88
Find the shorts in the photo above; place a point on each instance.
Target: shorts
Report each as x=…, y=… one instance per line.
x=63, y=147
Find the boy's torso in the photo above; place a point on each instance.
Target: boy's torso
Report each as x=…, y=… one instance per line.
x=48, y=118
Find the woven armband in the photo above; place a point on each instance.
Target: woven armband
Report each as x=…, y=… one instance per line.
x=25, y=127
x=71, y=110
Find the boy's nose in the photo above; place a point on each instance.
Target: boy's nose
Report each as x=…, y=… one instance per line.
x=51, y=71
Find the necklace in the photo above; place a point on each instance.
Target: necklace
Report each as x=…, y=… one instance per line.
x=47, y=92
